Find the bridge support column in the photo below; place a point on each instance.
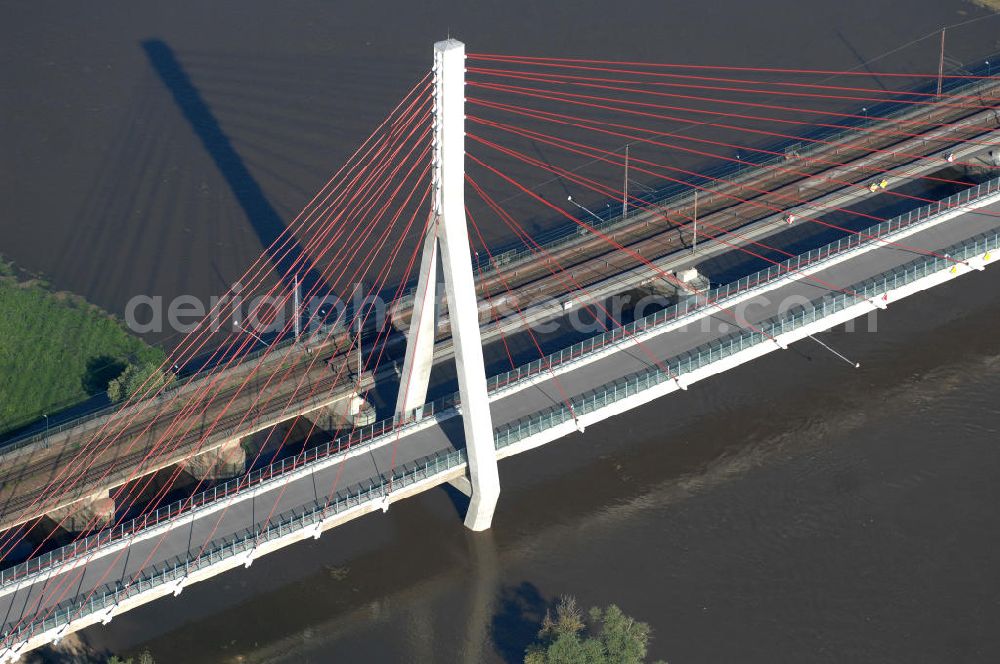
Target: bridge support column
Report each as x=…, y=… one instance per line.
x=224, y=462
x=448, y=233
x=91, y=512
x=354, y=411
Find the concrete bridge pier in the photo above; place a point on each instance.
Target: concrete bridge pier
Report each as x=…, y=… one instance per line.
x=354, y=411
x=94, y=511
x=221, y=463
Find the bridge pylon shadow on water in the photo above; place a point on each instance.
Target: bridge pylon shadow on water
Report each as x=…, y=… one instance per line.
x=288, y=254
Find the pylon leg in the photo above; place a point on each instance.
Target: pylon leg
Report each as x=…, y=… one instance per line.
x=463, y=310
x=419, y=357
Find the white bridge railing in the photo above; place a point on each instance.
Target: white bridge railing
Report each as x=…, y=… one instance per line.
x=446, y=405
x=295, y=521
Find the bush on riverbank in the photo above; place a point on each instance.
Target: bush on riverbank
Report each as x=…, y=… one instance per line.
x=137, y=378
x=56, y=349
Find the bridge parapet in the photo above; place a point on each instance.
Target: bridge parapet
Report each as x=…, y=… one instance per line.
x=115, y=467
x=531, y=431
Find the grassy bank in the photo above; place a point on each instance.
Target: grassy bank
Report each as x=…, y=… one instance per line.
x=56, y=349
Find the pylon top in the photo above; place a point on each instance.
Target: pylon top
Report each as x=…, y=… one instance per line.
x=448, y=45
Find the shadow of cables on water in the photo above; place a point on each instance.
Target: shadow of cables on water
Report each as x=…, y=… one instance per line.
x=266, y=222
x=520, y=611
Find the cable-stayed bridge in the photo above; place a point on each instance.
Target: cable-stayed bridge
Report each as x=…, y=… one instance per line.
x=814, y=218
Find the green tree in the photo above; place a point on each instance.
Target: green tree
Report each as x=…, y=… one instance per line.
x=137, y=378
x=607, y=637
x=144, y=658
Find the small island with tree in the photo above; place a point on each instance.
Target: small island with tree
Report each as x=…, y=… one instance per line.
x=604, y=636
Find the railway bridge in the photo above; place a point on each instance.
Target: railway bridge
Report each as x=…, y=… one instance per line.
x=735, y=272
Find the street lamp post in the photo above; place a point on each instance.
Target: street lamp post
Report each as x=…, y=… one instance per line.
x=360, y=364
x=570, y=199
x=625, y=186
x=645, y=186
x=251, y=333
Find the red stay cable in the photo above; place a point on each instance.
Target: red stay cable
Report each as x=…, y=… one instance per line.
x=934, y=100
x=580, y=149
x=259, y=261
x=561, y=62
x=211, y=384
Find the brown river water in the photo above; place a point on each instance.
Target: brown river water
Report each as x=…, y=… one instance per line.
x=792, y=510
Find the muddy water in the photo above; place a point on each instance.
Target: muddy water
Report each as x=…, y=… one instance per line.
x=156, y=149
x=797, y=510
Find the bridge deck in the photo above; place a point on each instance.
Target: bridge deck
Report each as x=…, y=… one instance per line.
x=753, y=201
x=510, y=406
x=27, y=472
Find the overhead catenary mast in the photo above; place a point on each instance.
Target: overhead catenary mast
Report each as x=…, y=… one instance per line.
x=625, y=186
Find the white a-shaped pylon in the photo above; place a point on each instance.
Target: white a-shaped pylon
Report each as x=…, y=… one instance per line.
x=449, y=234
